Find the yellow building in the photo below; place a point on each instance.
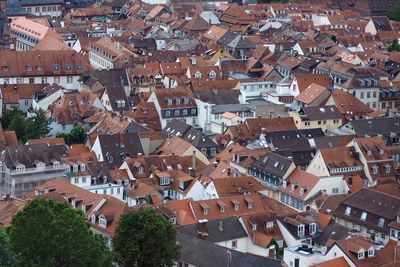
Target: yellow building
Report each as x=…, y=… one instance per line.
x=326, y=118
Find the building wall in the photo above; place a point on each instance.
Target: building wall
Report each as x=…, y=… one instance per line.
x=68, y=82
x=241, y=244
x=317, y=166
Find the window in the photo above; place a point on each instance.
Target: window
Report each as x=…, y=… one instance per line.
x=363, y=216
x=335, y=190
x=164, y=181
x=319, y=122
x=76, y=180
x=253, y=227
x=313, y=228
x=184, y=112
x=69, y=79
x=374, y=94
x=375, y=169
x=102, y=221
x=169, y=101
x=118, y=191
x=300, y=230
x=269, y=224
x=185, y=100
x=368, y=94
x=167, y=113
x=83, y=180
x=140, y=169
x=371, y=252
x=348, y=211
x=362, y=95
x=236, y=207
x=44, y=80
x=177, y=112
x=381, y=222
x=193, y=111
x=307, y=123
x=31, y=80
x=387, y=168
x=361, y=255
x=234, y=243
x=212, y=75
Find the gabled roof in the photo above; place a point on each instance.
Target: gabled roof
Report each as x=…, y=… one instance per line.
x=237, y=185
x=216, y=231
x=273, y=164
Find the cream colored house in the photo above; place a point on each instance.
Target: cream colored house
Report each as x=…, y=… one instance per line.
x=327, y=118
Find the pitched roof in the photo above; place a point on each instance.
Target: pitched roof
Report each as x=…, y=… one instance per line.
x=311, y=93
x=237, y=185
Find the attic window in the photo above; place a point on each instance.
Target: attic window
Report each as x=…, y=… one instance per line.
x=361, y=255
x=79, y=66
x=371, y=252
x=5, y=68
x=56, y=66
x=387, y=168
x=28, y=68
x=169, y=101
x=102, y=221
x=269, y=224
x=140, y=169
x=348, y=211
x=253, y=226
x=39, y=68
x=185, y=100
x=300, y=230
x=381, y=222
x=375, y=169
x=363, y=216
x=276, y=164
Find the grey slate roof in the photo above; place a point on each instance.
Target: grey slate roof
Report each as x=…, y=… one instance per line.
x=28, y=154
x=306, y=133
x=196, y=137
x=273, y=164
x=221, y=97
x=202, y=253
x=333, y=231
x=120, y=145
x=373, y=127
x=231, y=229
x=231, y=108
x=320, y=113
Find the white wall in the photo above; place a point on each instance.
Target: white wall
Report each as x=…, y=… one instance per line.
x=196, y=192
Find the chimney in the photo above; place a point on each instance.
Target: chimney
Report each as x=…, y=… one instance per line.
x=194, y=160
x=229, y=172
x=220, y=225
x=215, y=164
x=8, y=197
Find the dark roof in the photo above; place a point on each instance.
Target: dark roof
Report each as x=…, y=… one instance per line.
x=218, y=97
x=373, y=127
x=273, y=164
x=28, y=154
x=203, y=253
x=196, y=137
x=320, y=113
x=146, y=43
x=375, y=203
x=333, y=231
x=231, y=229
x=306, y=133
x=119, y=145
x=332, y=141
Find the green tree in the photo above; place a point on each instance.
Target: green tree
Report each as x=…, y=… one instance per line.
x=37, y=126
x=48, y=233
x=145, y=239
x=76, y=136
x=394, y=46
x=18, y=124
x=5, y=253
x=394, y=12
x=9, y=115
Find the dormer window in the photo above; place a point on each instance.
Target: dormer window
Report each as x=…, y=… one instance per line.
x=28, y=68
x=75, y=167
x=169, y=101
x=222, y=208
x=20, y=168
x=68, y=169
x=205, y=211
x=102, y=221
x=197, y=75
x=236, y=206
x=375, y=169
x=348, y=211
x=284, y=184
x=140, y=169
x=360, y=255
x=300, y=230
x=363, y=216
x=82, y=167
x=387, y=168
x=5, y=68
x=178, y=101
x=185, y=100
x=371, y=252
x=313, y=228
x=269, y=224
x=212, y=75
x=164, y=181
x=253, y=226
x=381, y=222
